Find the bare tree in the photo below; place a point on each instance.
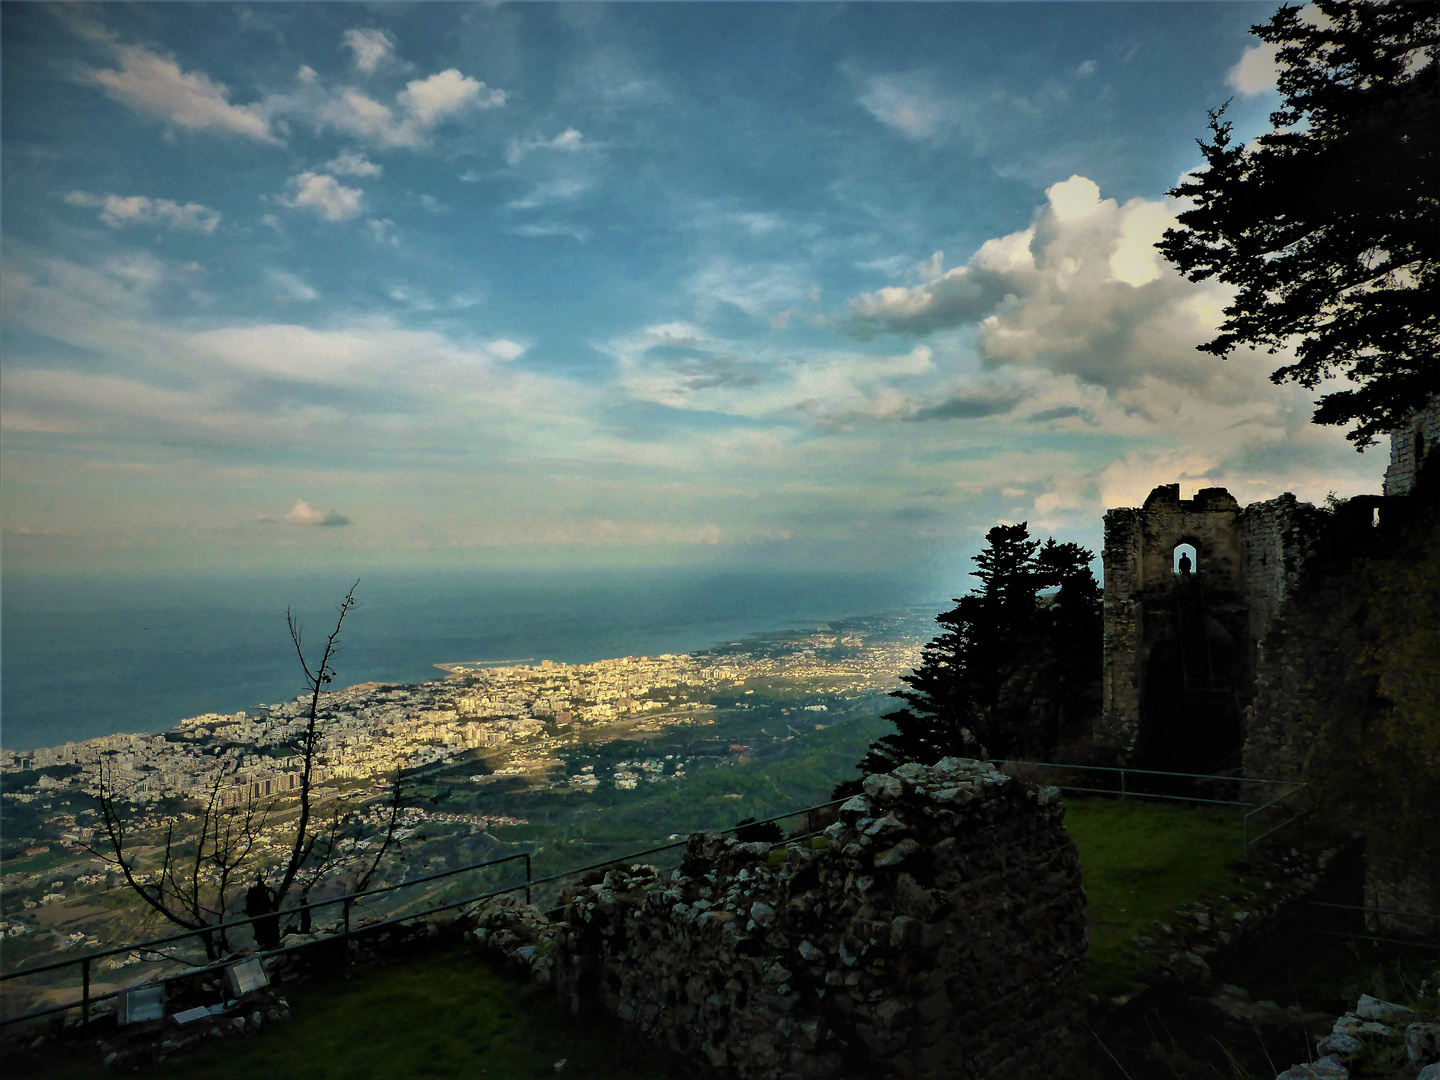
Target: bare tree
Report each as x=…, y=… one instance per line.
x=200, y=875
x=193, y=881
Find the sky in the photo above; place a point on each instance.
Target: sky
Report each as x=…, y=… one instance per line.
x=545, y=285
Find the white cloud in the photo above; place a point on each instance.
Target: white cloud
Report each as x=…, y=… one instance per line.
x=422, y=106
x=552, y=228
x=429, y=101
x=302, y=513
x=1256, y=71
x=156, y=85
x=959, y=295
x=1086, y=68
x=568, y=141
x=900, y=103
x=289, y=287
x=560, y=189
x=382, y=230
x=757, y=289
x=118, y=211
x=349, y=163
x=1082, y=293
x=1136, y=261
x=678, y=365
x=1258, y=68
x=372, y=48
x=325, y=196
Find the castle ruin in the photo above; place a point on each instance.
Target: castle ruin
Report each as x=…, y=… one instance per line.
x=1184, y=637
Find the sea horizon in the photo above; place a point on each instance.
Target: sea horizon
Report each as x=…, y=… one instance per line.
x=84, y=657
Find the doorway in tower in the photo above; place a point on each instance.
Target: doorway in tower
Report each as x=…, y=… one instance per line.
x=1184, y=561
x=1189, y=714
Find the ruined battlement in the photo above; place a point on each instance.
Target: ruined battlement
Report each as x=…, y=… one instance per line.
x=1181, y=636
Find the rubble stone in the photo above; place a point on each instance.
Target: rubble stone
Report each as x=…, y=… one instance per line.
x=953, y=947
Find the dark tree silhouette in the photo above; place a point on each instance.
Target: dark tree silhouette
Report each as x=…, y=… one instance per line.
x=1329, y=225
x=1013, y=672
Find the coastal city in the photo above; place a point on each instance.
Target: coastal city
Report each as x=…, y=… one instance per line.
x=482, y=723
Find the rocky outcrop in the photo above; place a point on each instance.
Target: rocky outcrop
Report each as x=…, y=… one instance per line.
x=1376, y=1039
x=936, y=930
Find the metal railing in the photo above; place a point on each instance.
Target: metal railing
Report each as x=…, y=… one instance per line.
x=344, y=932
x=1128, y=790
x=1425, y=941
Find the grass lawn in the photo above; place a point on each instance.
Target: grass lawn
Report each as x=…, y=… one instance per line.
x=1141, y=860
x=446, y=1015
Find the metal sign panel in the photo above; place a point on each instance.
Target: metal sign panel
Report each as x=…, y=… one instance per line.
x=141, y=1004
x=246, y=976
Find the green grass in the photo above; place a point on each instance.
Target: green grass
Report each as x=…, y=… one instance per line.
x=1141, y=861
x=446, y=1015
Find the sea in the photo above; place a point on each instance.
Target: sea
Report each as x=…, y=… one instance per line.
x=85, y=657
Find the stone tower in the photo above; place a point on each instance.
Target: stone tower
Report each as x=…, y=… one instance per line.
x=1410, y=446
x=1181, y=648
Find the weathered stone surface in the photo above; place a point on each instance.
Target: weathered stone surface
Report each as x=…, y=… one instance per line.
x=1362, y=1036
x=1383, y=1012
x=1422, y=1043
x=1246, y=566
x=951, y=943
x=1409, y=446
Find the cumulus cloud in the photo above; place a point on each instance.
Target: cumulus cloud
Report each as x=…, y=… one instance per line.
x=421, y=107
x=326, y=196
x=154, y=84
x=429, y=101
x=118, y=211
x=1082, y=293
x=952, y=297
x=372, y=48
x=1258, y=68
x=302, y=513
x=349, y=163
x=1256, y=71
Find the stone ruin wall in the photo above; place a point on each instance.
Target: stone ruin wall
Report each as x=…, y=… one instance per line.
x=1247, y=563
x=939, y=933
x=1404, y=470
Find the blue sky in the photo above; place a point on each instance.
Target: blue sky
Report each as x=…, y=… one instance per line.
x=588, y=285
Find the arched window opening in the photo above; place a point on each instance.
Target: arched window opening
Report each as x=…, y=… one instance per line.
x=1419, y=447
x=1186, y=560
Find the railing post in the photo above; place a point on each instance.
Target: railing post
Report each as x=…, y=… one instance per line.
x=1122, y=784
x=85, y=991
x=527, y=878
x=1245, y=832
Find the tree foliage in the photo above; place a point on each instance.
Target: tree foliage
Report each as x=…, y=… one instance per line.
x=1327, y=226
x=1014, y=671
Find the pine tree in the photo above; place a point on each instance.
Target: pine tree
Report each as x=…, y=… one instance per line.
x=1327, y=224
x=1008, y=673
